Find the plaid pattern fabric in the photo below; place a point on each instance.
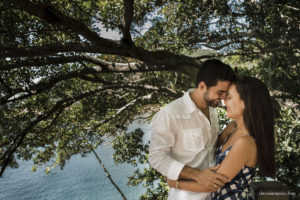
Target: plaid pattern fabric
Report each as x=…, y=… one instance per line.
x=239, y=187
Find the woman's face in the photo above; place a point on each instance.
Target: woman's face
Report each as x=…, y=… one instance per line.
x=235, y=105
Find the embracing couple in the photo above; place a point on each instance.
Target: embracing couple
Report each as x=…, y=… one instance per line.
x=201, y=163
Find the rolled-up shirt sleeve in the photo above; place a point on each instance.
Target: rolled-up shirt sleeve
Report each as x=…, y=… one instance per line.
x=162, y=140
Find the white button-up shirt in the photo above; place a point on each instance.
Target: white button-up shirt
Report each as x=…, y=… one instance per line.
x=182, y=135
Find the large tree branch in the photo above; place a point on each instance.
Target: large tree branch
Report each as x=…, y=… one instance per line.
x=158, y=61
x=51, y=15
x=249, y=52
x=46, y=50
x=23, y=93
x=108, y=67
x=55, y=17
x=127, y=20
x=104, y=67
x=36, y=62
x=162, y=58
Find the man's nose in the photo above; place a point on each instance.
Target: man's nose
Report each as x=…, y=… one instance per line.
x=223, y=96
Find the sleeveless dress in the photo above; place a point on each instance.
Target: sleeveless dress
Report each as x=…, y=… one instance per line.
x=239, y=187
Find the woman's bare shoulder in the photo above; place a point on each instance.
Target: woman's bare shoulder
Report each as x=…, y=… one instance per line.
x=245, y=142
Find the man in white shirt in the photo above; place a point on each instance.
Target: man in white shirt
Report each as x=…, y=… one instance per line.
x=184, y=133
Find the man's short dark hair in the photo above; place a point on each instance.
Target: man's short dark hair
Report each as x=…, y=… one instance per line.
x=212, y=71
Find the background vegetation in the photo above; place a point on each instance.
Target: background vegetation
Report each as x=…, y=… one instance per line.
x=64, y=88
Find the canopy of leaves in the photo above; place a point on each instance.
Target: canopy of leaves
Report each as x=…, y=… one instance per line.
x=64, y=88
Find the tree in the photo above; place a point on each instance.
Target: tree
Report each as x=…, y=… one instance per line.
x=65, y=89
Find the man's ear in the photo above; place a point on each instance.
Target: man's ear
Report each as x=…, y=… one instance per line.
x=202, y=86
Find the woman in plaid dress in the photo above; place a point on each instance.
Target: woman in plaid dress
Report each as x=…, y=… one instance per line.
x=244, y=144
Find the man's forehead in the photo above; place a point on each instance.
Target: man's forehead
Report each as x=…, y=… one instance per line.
x=222, y=86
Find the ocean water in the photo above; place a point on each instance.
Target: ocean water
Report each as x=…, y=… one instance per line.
x=81, y=179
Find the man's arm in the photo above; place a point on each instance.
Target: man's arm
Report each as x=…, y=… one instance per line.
x=206, y=178
x=194, y=186
x=189, y=185
x=163, y=132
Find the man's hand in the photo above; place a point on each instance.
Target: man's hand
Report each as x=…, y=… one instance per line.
x=210, y=179
x=207, y=178
x=171, y=183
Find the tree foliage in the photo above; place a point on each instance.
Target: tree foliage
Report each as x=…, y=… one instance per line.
x=64, y=88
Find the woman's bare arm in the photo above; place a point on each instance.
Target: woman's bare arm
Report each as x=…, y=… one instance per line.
x=242, y=151
x=236, y=159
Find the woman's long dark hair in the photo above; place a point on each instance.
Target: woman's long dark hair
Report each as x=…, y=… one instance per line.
x=259, y=120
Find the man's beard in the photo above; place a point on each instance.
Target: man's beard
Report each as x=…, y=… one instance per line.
x=211, y=102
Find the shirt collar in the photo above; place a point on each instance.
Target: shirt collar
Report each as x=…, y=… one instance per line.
x=188, y=102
